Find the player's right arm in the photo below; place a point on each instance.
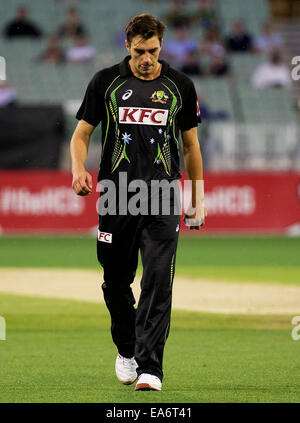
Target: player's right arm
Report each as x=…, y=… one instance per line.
x=82, y=181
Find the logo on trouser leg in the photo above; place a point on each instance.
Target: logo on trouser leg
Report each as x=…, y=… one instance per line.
x=104, y=237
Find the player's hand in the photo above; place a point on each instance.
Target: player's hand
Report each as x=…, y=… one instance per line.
x=195, y=217
x=82, y=183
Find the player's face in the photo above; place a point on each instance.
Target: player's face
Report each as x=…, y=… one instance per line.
x=144, y=55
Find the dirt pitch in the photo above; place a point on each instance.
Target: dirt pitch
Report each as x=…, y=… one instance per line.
x=188, y=294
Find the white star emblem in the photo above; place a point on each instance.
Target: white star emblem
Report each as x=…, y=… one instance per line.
x=152, y=140
x=126, y=137
x=160, y=131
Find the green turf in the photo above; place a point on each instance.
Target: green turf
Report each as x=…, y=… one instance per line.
x=254, y=259
x=61, y=351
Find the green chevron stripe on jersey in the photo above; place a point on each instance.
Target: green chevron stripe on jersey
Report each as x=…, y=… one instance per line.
x=119, y=151
x=175, y=113
x=107, y=127
x=166, y=152
x=160, y=157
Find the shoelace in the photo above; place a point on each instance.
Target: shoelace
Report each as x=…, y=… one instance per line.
x=128, y=362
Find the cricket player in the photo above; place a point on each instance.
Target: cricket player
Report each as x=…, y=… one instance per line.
x=143, y=105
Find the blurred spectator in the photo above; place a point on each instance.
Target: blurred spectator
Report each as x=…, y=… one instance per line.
x=212, y=44
x=176, y=50
x=191, y=65
x=208, y=144
x=71, y=26
x=207, y=114
x=8, y=95
x=119, y=38
x=218, y=67
x=267, y=40
x=21, y=26
x=81, y=52
x=272, y=74
x=177, y=17
x=239, y=40
x=205, y=15
x=54, y=53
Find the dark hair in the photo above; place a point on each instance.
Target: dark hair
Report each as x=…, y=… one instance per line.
x=146, y=26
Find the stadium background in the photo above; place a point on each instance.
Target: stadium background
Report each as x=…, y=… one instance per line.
x=237, y=281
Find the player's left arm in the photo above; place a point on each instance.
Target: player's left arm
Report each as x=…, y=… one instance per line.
x=195, y=215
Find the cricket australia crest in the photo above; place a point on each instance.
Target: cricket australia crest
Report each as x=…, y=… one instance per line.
x=159, y=97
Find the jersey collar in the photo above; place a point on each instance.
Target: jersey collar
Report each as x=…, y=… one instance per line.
x=125, y=69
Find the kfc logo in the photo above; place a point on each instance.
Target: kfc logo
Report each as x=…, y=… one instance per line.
x=104, y=237
x=143, y=116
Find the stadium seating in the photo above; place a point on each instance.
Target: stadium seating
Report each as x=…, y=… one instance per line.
x=253, y=13
x=268, y=105
x=41, y=83
x=216, y=93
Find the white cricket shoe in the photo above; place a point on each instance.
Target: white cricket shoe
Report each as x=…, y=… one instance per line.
x=126, y=369
x=147, y=382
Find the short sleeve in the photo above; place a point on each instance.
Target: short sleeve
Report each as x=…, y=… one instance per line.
x=91, y=109
x=189, y=115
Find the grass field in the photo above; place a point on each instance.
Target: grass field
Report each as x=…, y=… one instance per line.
x=254, y=259
x=61, y=350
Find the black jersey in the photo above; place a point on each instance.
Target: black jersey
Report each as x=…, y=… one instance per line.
x=141, y=120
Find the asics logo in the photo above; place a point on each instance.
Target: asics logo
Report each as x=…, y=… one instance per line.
x=143, y=116
x=126, y=95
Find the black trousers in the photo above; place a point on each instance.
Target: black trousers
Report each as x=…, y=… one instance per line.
x=141, y=331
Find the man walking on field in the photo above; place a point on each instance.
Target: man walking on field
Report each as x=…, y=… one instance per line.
x=143, y=104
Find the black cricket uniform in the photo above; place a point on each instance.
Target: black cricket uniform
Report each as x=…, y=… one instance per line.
x=141, y=120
